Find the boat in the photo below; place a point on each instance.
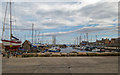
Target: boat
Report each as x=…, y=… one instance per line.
x=96, y=50
x=12, y=43
x=53, y=49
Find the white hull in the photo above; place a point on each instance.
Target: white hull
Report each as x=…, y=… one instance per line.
x=9, y=43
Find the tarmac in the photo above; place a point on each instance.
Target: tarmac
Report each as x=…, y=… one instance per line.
x=108, y=64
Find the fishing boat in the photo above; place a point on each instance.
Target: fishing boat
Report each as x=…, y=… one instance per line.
x=12, y=43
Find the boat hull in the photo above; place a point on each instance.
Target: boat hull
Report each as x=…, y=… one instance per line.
x=53, y=50
x=11, y=44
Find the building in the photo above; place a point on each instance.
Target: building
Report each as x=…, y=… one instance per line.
x=2, y=48
x=27, y=45
x=84, y=42
x=107, y=41
x=103, y=41
x=113, y=42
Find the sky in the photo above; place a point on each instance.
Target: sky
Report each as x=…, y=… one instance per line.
x=66, y=20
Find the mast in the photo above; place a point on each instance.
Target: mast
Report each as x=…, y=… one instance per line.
x=38, y=37
x=54, y=40
x=96, y=37
x=35, y=36
x=80, y=40
x=4, y=19
x=32, y=32
x=77, y=41
x=87, y=37
x=84, y=37
x=10, y=22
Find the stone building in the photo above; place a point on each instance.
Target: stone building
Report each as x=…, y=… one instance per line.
x=27, y=45
x=113, y=42
x=2, y=48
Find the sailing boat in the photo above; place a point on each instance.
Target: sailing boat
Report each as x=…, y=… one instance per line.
x=14, y=43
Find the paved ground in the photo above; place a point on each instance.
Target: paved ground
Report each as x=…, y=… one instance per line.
x=0, y=64
x=60, y=65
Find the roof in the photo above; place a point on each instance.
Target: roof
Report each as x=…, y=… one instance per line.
x=113, y=38
x=27, y=41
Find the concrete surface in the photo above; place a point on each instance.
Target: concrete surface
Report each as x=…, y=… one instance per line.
x=106, y=64
x=0, y=64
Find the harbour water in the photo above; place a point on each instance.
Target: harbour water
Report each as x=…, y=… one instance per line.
x=70, y=49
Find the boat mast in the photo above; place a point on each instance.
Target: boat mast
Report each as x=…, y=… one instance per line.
x=10, y=22
x=4, y=20
x=32, y=32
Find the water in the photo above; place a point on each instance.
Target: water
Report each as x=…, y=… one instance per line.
x=70, y=49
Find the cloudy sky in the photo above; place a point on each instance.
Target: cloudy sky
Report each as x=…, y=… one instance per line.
x=65, y=20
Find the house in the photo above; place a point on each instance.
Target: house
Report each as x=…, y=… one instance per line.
x=113, y=40
x=84, y=42
x=107, y=41
x=103, y=41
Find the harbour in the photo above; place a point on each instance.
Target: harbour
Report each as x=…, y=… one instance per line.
x=61, y=37
x=81, y=42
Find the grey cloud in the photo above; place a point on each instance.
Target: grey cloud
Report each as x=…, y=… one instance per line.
x=55, y=13
x=82, y=30
x=100, y=10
